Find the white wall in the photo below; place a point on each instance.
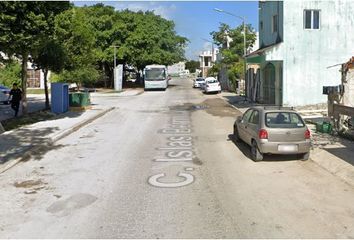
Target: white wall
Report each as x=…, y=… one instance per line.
x=267, y=10
x=176, y=68
x=308, y=53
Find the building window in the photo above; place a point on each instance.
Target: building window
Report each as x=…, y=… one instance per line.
x=261, y=25
x=275, y=23
x=311, y=19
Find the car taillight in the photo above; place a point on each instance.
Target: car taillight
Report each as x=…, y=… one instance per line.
x=307, y=134
x=263, y=134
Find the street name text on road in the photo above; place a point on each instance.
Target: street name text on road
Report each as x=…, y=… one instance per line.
x=179, y=149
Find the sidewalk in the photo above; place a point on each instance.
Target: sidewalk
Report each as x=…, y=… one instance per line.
x=125, y=93
x=332, y=153
x=37, y=139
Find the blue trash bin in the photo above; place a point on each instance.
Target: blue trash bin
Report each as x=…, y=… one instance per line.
x=60, y=97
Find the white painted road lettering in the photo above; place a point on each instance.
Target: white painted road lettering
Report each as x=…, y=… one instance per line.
x=188, y=179
x=179, y=149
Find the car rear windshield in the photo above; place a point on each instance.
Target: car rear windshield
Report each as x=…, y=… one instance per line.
x=283, y=120
x=212, y=81
x=200, y=80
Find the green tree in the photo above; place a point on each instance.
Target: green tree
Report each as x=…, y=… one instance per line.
x=50, y=57
x=10, y=73
x=109, y=31
x=231, y=44
x=23, y=26
x=150, y=39
x=77, y=37
x=192, y=66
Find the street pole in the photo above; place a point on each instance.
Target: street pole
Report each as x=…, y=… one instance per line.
x=114, y=66
x=115, y=57
x=244, y=54
x=244, y=38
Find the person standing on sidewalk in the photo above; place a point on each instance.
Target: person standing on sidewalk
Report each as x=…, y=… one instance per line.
x=16, y=94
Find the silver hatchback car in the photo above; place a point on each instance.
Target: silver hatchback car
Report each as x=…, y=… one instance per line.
x=273, y=130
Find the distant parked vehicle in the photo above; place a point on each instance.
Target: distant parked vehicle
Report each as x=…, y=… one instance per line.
x=4, y=94
x=273, y=130
x=198, y=83
x=211, y=85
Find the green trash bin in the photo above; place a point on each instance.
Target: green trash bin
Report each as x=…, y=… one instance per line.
x=324, y=127
x=79, y=99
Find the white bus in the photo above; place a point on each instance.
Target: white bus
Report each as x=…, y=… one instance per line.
x=155, y=77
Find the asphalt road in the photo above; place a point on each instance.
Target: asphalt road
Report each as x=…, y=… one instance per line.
x=162, y=165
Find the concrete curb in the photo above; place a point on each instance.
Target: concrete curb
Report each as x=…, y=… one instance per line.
x=332, y=164
x=76, y=127
x=27, y=154
x=139, y=92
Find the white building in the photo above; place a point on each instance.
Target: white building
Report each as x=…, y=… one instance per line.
x=35, y=77
x=207, y=60
x=177, y=69
x=298, y=41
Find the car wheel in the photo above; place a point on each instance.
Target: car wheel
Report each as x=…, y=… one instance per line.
x=305, y=156
x=255, y=153
x=236, y=136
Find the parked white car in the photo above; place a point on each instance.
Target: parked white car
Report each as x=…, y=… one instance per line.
x=211, y=85
x=4, y=94
x=198, y=83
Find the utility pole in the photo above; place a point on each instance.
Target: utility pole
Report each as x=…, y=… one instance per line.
x=244, y=37
x=115, y=77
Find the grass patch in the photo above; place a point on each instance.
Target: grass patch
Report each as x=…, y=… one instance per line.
x=35, y=91
x=30, y=118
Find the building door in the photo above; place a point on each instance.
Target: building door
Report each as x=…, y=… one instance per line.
x=269, y=84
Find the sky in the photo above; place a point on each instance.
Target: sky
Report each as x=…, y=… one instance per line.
x=193, y=19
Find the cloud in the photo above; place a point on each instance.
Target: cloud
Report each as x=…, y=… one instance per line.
x=164, y=11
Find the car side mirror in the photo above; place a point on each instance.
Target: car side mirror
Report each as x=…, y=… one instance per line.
x=239, y=119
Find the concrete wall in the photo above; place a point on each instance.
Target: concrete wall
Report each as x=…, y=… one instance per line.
x=267, y=10
x=348, y=98
x=308, y=52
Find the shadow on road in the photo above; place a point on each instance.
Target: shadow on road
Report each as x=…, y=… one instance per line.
x=246, y=151
x=345, y=153
x=16, y=143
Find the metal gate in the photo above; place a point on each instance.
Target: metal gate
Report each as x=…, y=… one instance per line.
x=269, y=84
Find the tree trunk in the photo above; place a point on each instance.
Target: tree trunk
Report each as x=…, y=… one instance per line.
x=46, y=89
x=24, y=82
x=104, y=75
